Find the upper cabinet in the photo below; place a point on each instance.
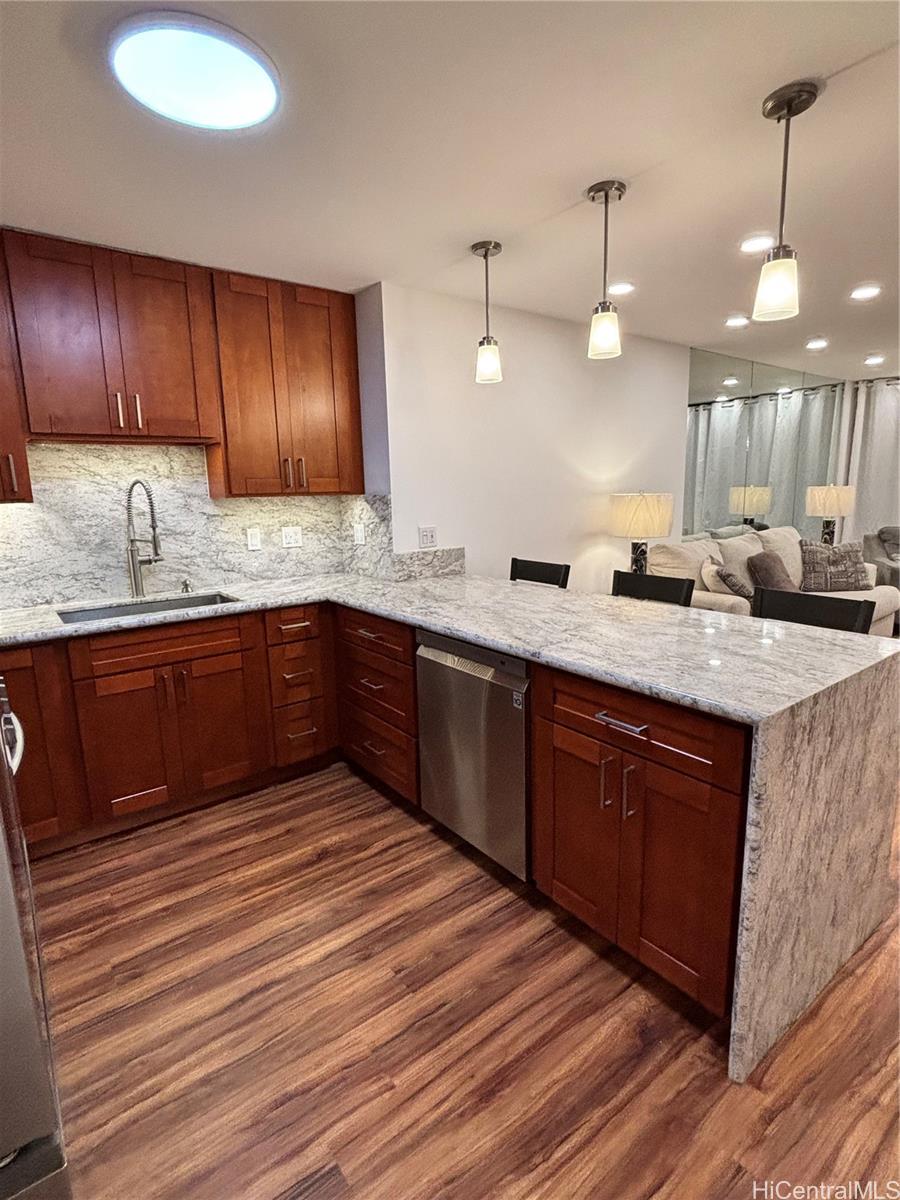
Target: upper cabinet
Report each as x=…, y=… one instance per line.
x=15, y=483
x=290, y=390
x=112, y=344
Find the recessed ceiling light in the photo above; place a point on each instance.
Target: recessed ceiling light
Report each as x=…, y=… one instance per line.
x=817, y=343
x=621, y=289
x=737, y=321
x=873, y=360
x=194, y=71
x=731, y=381
x=757, y=243
x=866, y=291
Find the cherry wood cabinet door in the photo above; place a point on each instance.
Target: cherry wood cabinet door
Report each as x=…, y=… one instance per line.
x=258, y=446
x=65, y=313
x=576, y=823
x=168, y=347
x=50, y=784
x=129, y=735
x=221, y=707
x=679, y=872
x=15, y=480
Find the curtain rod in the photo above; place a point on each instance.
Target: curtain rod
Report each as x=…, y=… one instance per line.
x=755, y=397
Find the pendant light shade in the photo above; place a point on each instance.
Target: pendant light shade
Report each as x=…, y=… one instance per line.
x=778, y=292
x=604, y=340
x=487, y=360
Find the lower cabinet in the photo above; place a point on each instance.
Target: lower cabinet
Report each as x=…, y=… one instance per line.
x=646, y=855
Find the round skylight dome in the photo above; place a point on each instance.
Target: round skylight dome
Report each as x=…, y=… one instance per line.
x=194, y=71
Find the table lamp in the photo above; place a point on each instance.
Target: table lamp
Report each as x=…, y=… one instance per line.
x=750, y=502
x=829, y=502
x=638, y=516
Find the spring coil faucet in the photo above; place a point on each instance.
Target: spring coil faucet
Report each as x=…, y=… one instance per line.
x=136, y=560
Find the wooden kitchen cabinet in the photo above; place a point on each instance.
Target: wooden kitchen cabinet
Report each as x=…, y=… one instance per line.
x=15, y=480
x=113, y=345
x=646, y=854
x=50, y=784
x=290, y=390
x=301, y=675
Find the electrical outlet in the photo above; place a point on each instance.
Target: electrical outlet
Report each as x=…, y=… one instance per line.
x=291, y=536
x=359, y=533
x=254, y=539
x=427, y=537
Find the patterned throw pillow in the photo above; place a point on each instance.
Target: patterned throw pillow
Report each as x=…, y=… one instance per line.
x=833, y=568
x=734, y=583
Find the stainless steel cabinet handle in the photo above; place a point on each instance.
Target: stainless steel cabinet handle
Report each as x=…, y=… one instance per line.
x=373, y=749
x=296, y=675
x=637, y=730
x=119, y=412
x=373, y=687
x=367, y=633
x=13, y=477
x=138, y=410
x=166, y=685
x=301, y=464
x=13, y=739
x=605, y=800
x=626, y=811
x=306, y=733
x=296, y=625
x=290, y=472
x=184, y=678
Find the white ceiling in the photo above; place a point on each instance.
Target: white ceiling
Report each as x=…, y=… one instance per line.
x=409, y=130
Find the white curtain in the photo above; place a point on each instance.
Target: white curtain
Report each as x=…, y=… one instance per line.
x=873, y=435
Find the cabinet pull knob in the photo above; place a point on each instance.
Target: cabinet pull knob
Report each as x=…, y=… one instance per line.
x=119, y=412
x=301, y=464
x=637, y=730
x=373, y=687
x=13, y=477
x=138, y=410
x=626, y=811
x=605, y=800
x=373, y=749
x=295, y=625
x=289, y=465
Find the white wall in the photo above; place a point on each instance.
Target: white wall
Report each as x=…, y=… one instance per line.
x=522, y=467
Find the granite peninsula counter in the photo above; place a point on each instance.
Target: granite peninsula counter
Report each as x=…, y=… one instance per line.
x=822, y=705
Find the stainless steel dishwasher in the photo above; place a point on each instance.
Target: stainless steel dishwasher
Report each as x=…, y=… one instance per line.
x=472, y=745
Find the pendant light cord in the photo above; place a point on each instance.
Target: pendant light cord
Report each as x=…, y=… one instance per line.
x=605, y=242
x=487, y=297
x=784, y=175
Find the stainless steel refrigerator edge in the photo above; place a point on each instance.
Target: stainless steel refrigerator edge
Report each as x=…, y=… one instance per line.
x=472, y=745
x=32, y=1158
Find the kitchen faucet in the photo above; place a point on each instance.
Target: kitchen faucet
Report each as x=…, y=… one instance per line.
x=136, y=560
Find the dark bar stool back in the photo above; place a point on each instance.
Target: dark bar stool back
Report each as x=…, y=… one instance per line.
x=653, y=587
x=805, y=608
x=555, y=574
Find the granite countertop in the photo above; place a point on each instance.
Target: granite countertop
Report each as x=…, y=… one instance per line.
x=733, y=666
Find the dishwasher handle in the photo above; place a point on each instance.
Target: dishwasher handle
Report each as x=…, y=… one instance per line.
x=467, y=666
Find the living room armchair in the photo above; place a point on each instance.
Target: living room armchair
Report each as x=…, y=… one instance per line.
x=882, y=549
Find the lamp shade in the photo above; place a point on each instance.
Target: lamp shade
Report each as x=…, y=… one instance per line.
x=830, y=501
x=604, y=341
x=640, y=515
x=750, y=501
x=778, y=293
x=487, y=362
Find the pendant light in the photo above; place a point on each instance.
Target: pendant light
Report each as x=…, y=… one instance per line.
x=778, y=295
x=604, y=339
x=487, y=361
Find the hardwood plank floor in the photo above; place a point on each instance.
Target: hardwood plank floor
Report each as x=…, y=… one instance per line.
x=308, y=994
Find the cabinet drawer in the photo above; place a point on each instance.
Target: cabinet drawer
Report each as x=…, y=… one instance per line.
x=390, y=638
x=139, y=649
x=295, y=671
x=292, y=624
x=380, y=749
x=301, y=732
x=708, y=748
x=379, y=685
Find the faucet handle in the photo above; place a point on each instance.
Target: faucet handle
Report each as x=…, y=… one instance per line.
x=186, y=585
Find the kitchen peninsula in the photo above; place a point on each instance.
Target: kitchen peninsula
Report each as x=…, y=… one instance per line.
x=816, y=707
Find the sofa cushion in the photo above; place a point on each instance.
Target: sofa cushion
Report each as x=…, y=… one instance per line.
x=768, y=571
x=727, y=531
x=735, y=584
x=709, y=574
x=720, y=603
x=682, y=560
x=833, y=568
x=887, y=599
x=785, y=541
x=735, y=552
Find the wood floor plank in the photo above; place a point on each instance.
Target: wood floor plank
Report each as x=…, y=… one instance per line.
x=310, y=994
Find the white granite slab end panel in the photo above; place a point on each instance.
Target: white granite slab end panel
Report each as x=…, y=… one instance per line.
x=377, y=557
x=816, y=877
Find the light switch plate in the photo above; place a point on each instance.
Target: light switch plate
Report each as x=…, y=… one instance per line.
x=427, y=537
x=359, y=534
x=291, y=536
x=254, y=539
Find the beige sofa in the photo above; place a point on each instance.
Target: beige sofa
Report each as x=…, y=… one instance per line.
x=683, y=561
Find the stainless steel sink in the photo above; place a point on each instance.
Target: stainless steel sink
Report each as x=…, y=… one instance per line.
x=137, y=608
